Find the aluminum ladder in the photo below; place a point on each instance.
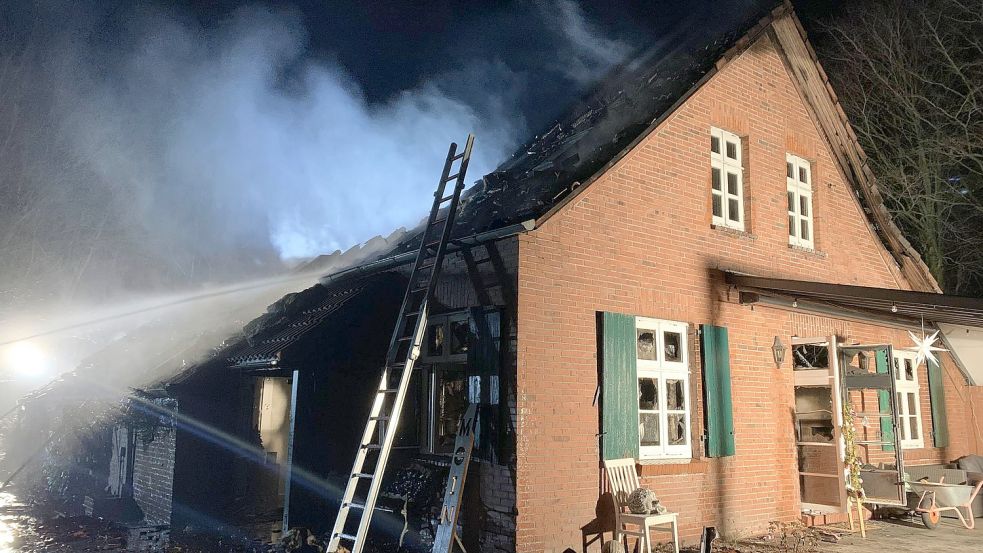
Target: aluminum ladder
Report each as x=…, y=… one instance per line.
x=404, y=348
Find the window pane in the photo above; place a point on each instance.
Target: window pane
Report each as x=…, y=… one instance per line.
x=648, y=394
x=645, y=344
x=732, y=150
x=791, y=201
x=459, y=337
x=732, y=187
x=914, y=427
x=789, y=172
x=803, y=175
x=715, y=179
x=435, y=344
x=675, y=395
x=648, y=428
x=715, y=144
x=804, y=234
x=734, y=213
x=718, y=206
x=897, y=371
x=452, y=400
x=804, y=205
x=901, y=410
x=909, y=370
x=902, y=428
x=791, y=225
x=673, y=348
x=911, y=404
x=677, y=429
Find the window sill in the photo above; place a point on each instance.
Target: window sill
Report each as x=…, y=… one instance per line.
x=733, y=231
x=663, y=467
x=807, y=251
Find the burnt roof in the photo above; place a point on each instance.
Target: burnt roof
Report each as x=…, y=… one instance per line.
x=606, y=122
x=267, y=337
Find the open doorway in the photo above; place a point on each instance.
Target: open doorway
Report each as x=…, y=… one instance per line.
x=817, y=419
x=272, y=422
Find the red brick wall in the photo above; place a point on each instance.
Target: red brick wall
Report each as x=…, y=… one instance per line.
x=639, y=240
x=153, y=474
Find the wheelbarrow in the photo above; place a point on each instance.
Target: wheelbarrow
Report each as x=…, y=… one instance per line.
x=938, y=497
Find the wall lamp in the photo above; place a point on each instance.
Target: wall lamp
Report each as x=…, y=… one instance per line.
x=778, y=351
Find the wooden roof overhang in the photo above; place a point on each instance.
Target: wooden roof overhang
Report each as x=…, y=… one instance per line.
x=906, y=307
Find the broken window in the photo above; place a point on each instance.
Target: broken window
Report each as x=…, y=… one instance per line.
x=726, y=166
x=663, y=389
x=810, y=356
x=450, y=401
x=447, y=338
x=798, y=179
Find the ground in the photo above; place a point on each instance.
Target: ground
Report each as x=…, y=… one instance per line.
x=902, y=536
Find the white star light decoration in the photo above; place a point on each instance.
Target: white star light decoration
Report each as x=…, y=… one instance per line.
x=924, y=347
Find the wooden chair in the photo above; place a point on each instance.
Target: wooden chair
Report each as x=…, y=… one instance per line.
x=622, y=480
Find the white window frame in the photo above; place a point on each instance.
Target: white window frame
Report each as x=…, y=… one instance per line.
x=663, y=370
x=905, y=386
x=725, y=166
x=799, y=192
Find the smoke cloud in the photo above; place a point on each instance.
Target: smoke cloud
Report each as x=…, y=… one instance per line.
x=144, y=152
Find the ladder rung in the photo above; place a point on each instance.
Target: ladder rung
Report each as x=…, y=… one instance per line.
x=431, y=244
x=405, y=339
x=445, y=198
x=372, y=446
x=411, y=314
x=458, y=156
x=388, y=391
x=355, y=506
x=420, y=289
x=451, y=177
x=379, y=418
x=344, y=536
x=438, y=220
x=362, y=475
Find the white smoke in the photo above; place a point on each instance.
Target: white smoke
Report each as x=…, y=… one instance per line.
x=585, y=52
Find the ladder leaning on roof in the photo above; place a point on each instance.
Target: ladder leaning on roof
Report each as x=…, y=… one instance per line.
x=404, y=348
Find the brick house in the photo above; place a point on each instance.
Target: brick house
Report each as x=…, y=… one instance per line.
x=622, y=287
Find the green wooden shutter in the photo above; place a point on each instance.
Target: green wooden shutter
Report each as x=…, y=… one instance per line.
x=884, y=401
x=718, y=406
x=619, y=386
x=936, y=390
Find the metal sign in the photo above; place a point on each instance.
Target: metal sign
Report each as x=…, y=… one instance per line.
x=447, y=535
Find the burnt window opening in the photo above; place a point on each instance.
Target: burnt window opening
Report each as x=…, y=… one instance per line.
x=810, y=356
x=448, y=338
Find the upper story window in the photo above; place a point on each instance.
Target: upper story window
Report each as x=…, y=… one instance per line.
x=798, y=179
x=663, y=389
x=909, y=407
x=727, y=179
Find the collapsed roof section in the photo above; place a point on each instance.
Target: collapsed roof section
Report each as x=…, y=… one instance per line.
x=604, y=124
x=268, y=339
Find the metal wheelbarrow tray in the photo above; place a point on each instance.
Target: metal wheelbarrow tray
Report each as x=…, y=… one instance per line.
x=938, y=497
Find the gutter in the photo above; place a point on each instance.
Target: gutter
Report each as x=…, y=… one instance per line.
x=453, y=246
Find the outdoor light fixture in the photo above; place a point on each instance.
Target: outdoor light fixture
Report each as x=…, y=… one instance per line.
x=864, y=360
x=894, y=308
x=778, y=351
x=795, y=302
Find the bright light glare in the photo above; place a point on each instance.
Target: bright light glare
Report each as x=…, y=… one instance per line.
x=25, y=359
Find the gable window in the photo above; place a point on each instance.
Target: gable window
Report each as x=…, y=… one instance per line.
x=909, y=406
x=798, y=180
x=661, y=351
x=726, y=179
